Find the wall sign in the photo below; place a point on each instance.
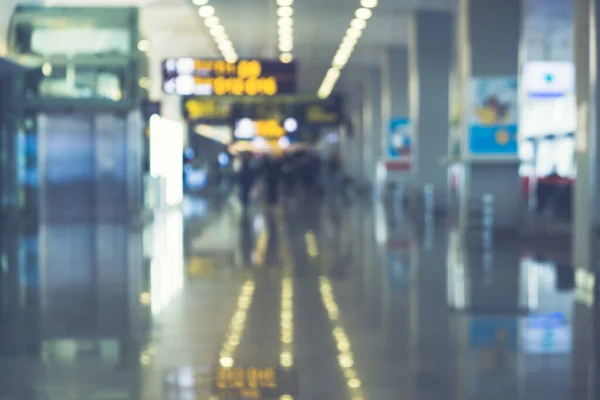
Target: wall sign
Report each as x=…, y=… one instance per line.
x=189, y=76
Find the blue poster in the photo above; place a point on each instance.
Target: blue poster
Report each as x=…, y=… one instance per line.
x=493, y=116
x=398, y=143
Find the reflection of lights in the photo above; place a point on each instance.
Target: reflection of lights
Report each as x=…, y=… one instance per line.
x=286, y=358
x=237, y=325
x=312, y=246
x=345, y=355
x=167, y=271
x=260, y=143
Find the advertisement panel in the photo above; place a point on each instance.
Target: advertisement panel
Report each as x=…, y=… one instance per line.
x=398, y=144
x=493, y=116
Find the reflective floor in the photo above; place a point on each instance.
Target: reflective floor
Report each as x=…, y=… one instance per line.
x=309, y=302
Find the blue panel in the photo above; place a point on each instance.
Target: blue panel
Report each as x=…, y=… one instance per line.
x=493, y=332
x=493, y=139
x=398, y=140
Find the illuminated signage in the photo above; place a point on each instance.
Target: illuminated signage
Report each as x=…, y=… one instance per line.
x=249, y=129
x=189, y=76
x=206, y=109
x=318, y=114
x=253, y=383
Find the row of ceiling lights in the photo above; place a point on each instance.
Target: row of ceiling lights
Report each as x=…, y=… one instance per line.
x=217, y=30
x=285, y=29
x=354, y=32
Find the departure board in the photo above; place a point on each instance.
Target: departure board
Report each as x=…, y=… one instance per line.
x=199, y=77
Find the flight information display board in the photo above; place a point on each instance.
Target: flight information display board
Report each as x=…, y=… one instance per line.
x=201, y=77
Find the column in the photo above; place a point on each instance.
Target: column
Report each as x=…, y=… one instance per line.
x=488, y=64
x=372, y=122
x=395, y=145
x=430, y=59
x=587, y=145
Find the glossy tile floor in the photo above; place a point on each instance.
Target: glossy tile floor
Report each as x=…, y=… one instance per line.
x=324, y=302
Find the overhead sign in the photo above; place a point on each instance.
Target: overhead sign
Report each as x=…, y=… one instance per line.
x=207, y=109
x=189, y=76
x=308, y=112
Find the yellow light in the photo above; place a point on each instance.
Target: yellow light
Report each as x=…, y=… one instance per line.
x=145, y=296
x=217, y=30
x=285, y=3
x=358, y=23
x=47, y=69
x=285, y=21
x=143, y=45
x=340, y=61
x=285, y=47
x=285, y=31
x=206, y=11
x=353, y=33
x=200, y=2
x=354, y=383
x=286, y=58
x=212, y=21
x=226, y=362
x=369, y=3
x=363, y=13
x=285, y=12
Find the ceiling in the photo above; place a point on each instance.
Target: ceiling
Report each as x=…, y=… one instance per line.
x=174, y=28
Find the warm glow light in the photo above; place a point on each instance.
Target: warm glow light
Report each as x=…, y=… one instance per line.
x=363, y=13
x=212, y=21
x=286, y=58
x=206, y=11
x=358, y=23
x=285, y=21
x=143, y=45
x=369, y=3
x=354, y=32
x=217, y=30
x=285, y=12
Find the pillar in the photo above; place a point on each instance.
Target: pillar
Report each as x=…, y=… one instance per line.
x=488, y=37
x=430, y=59
x=394, y=110
x=587, y=145
x=372, y=122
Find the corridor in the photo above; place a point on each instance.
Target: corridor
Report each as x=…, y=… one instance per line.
x=310, y=302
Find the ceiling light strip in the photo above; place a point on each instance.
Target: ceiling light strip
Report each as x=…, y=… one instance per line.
x=353, y=34
x=216, y=29
x=285, y=29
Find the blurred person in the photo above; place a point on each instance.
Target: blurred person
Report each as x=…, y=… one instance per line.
x=245, y=181
x=272, y=174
